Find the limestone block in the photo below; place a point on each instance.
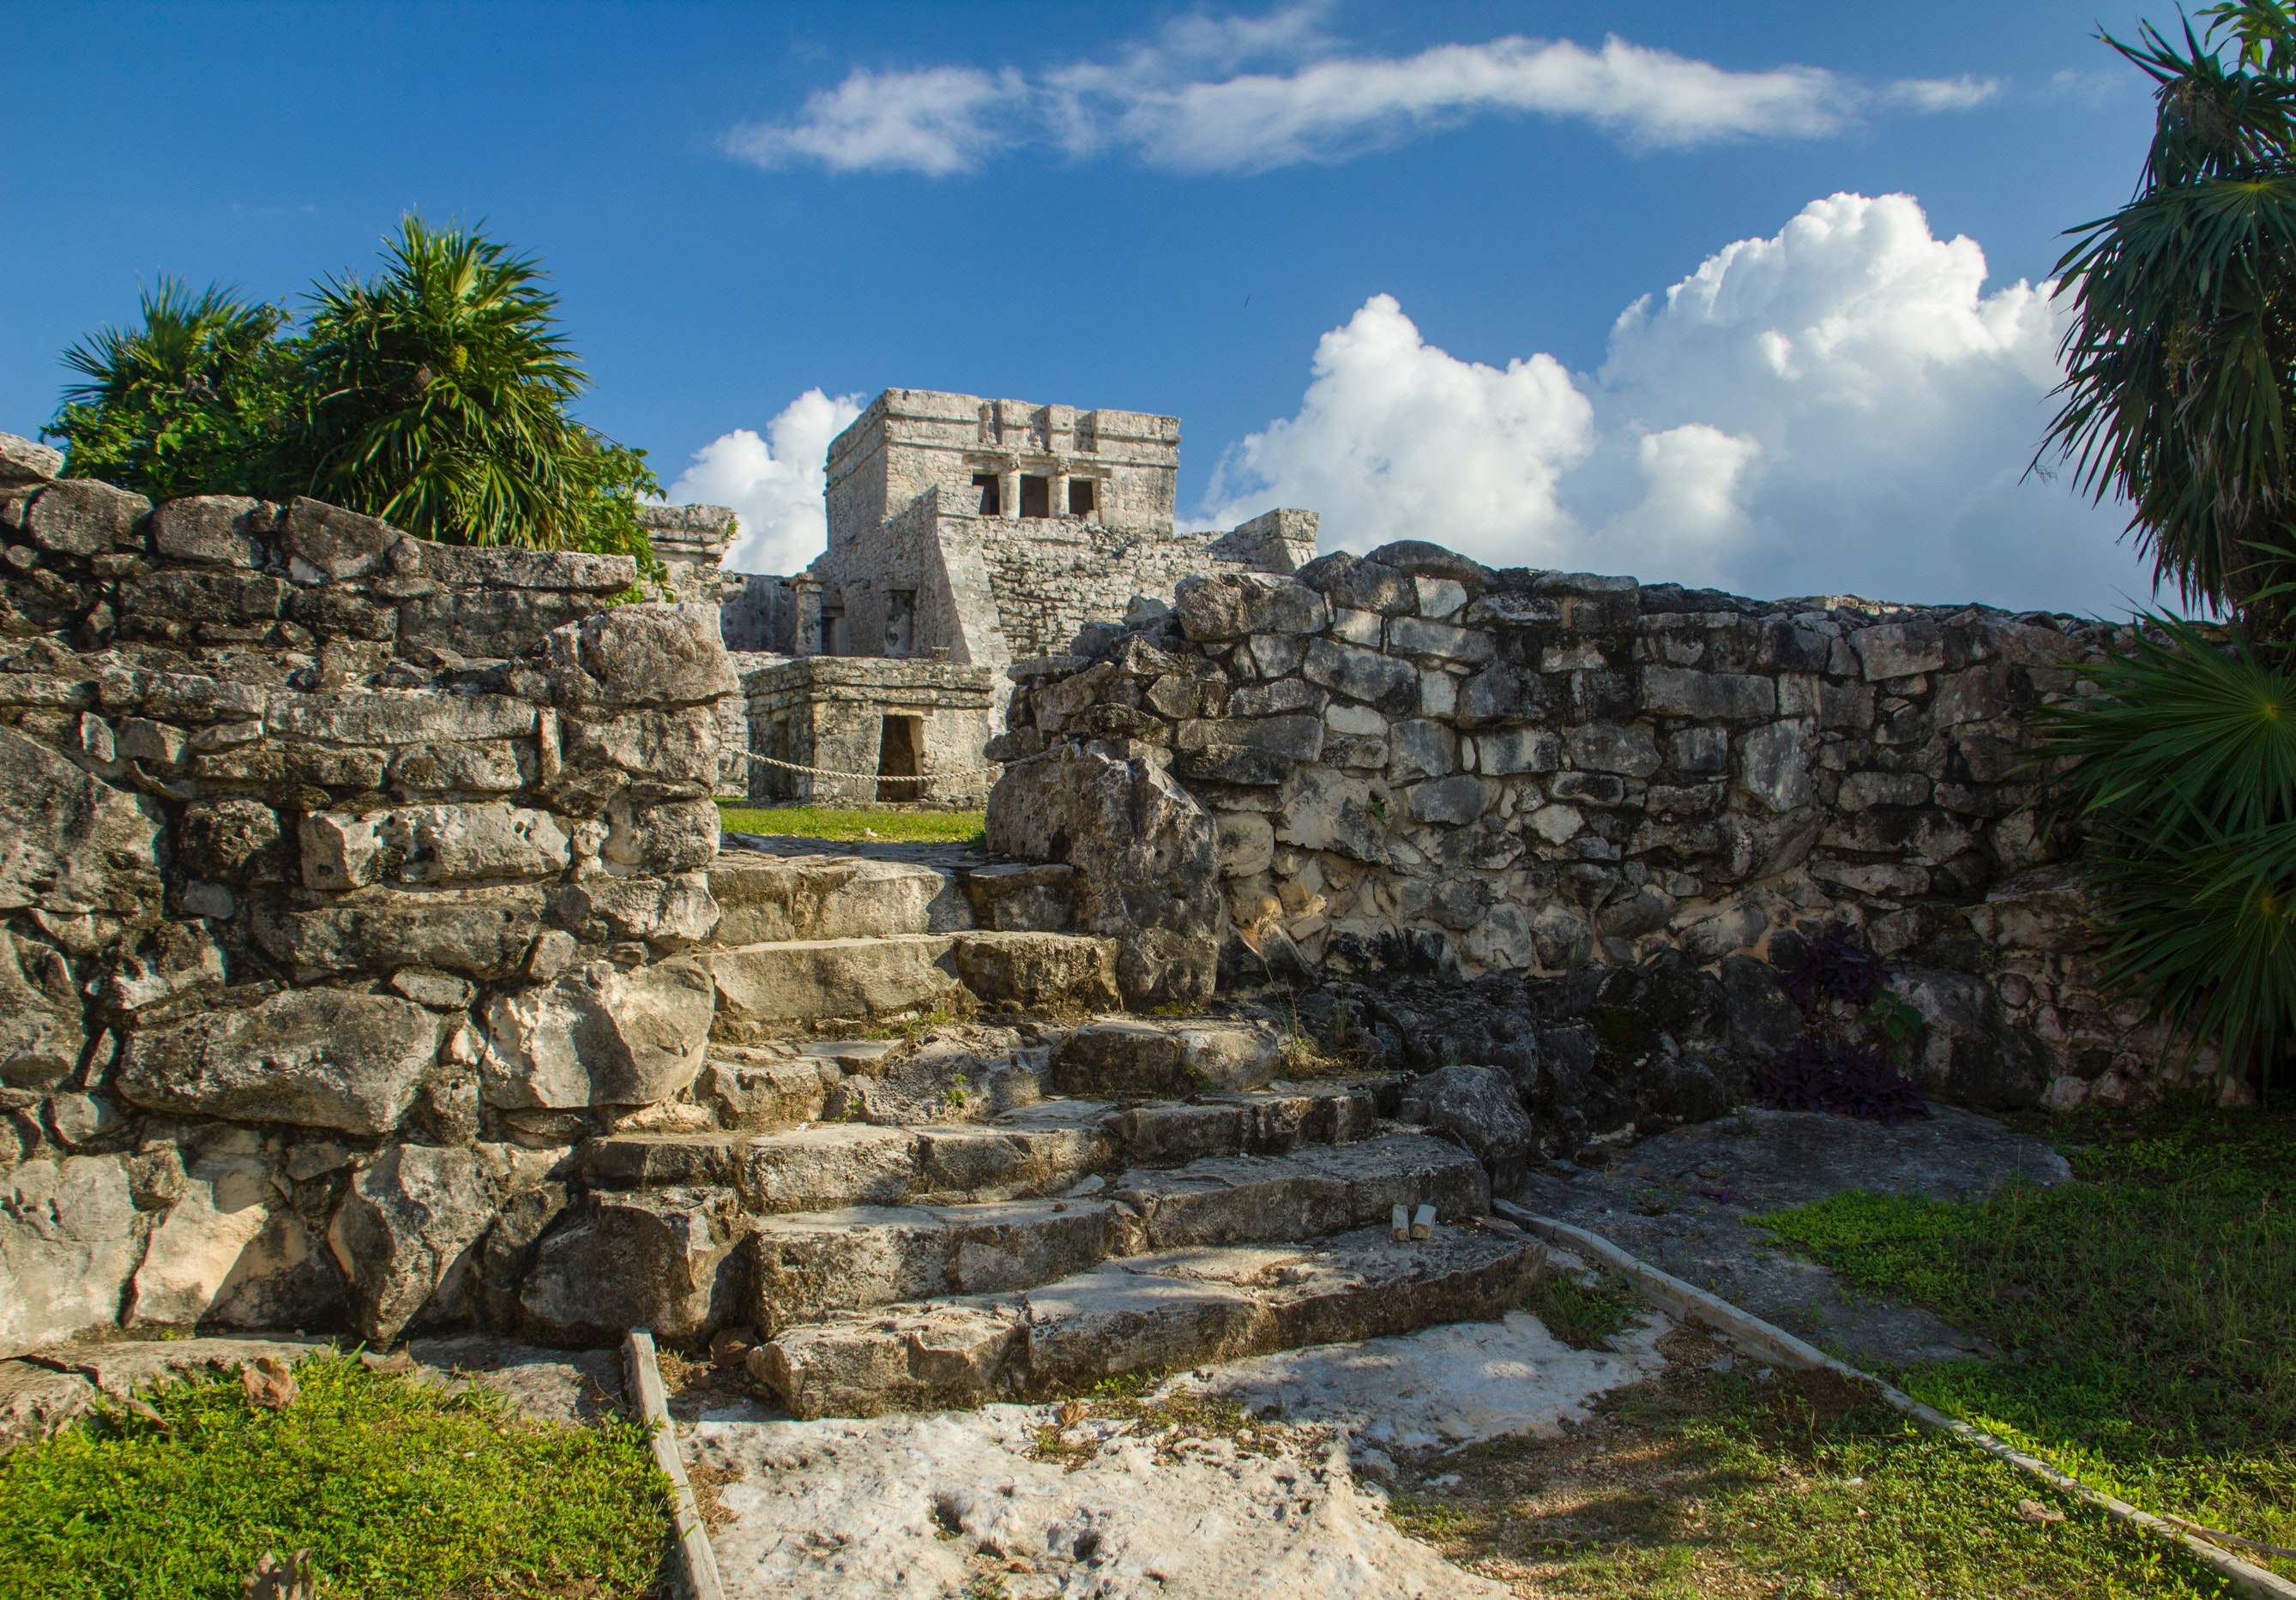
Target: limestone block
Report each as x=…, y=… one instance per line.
x=69, y=1241
x=1898, y=650
x=1350, y=581
x=1298, y=736
x=1500, y=939
x=1385, y=682
x=949, y=1355
x=406, y=1230
x=1422, y=559
x=496, y=765
x=24, y=460
x=1478, y=1108
x=760, y=1097
x=1980, y=694
x=1455, y=801
x=668, y=913
x=42, y=1034
x=1360, y=722
x=484, y=932
x=1230, y=605
x=195, y=1252
x=215, y=530
x=1439, y=692
x=489, y=622
x=1319, y=809
x=1439, y=597
x=1124, y=1059
x=650, y=655
x=1146, y=858
x=70, y=842
x=170, y=960
x=1247, y=843
x=1845, y=705
x=656, y=755
x=1971, y=1054
x=80, y=517
x=1019, y=897
x=1061, y=972
x=431, y=845
x=1708, y=696
x=1424, y=748
x=230, y=840
x=2044, y=909
x=1560, y=937
x=333, y=543
x=1711, y=933
x=1773, y=764
x=1415, y=636
x=392, y=716
x=319, y=1057
x=665, y=1261
x=1556, y=824
x=599, y=1036
x=1605, y=748
x=1518, y=750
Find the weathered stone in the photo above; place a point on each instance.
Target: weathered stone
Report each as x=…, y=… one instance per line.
x=1478, y=1108
x=1350, y=582
x=1970, y=1053
x=1424, y=747
x=492, y=765
x=1231, y=605
x=1424, y=560
x=398, y=717
x=1319, y=809
x=949, y=1355
x=648, y=655
x=69, y=1241
x=405, y=1231
x=1384, y=682
x=1042, y=972
x=664, y=1260
x=1860, y=791
x=80, y=517
x=1453, y=801
x=208, y=1246
x=321, y=1057
x=654, y=754
x=1898, y=650
x=1247, y=843
x=1418, y=637
x=668, y=913
x=599, y=1036
x=230, y=840
x=1298, y=738
x=68, y=841
x=1146, y=857
x=431, y=845
x=760, y=1097
x=170, y=960
x=1151, y=1060
x=1708, y=696
x=215, y=530
x=24, y=460
x=42, y=1035
x=1773, y=764
x=1602, y=748
x=1518, y=750
x=331, y=542
x=483, y=932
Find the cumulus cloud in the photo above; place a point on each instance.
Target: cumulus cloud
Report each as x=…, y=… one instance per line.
x=1842, y=407
x=775, y=484
x=1182, y=99
x=937, y=121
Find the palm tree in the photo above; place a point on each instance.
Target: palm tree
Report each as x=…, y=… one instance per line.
x=2179, y=363
x=185, y=404
x=434, y=396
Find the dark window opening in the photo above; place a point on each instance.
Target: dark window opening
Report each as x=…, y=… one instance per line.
x=1036, y=497
x=1079, y=497
x=832, y=633
x=899, y=749
x=900, y=622
x=992, y=498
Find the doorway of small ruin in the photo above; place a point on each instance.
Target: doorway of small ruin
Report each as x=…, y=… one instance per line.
x=901, y=751
x=1036, y=496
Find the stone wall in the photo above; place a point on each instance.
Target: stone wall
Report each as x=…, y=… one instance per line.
x=1412, y=763
x=344, y=881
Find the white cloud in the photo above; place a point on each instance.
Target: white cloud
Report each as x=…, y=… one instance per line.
x=1181, y=98
x=775, y=484
x=1941, y=93
x=937, y=121
x=1841, y=407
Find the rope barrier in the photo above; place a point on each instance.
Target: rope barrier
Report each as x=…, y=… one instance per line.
x=920, y=778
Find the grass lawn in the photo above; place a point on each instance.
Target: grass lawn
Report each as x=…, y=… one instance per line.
x=399, y=1491
x=1703, y=1483
x=821, y=822
x=2146, y=1312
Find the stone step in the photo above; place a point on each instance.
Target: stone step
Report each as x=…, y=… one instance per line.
x=771, y=988
x=771, y=898
x=1148, y=1313
x=1140, y=1058
x=809, y=1265
x=1037, y=1150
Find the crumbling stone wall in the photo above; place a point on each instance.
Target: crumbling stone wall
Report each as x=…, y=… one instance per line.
x=1413, y=763
x=343, y=880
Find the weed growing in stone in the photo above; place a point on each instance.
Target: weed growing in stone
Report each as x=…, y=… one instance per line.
x=400, y=1492
x=2147, y=1308
x=1173, y=1417
x=1584, y=1315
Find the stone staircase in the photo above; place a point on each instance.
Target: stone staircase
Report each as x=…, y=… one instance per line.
x=1025, y=1199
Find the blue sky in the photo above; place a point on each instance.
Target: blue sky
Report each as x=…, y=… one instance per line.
x=1194, y=210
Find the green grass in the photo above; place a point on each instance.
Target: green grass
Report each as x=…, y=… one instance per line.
x=2146, y=1310
x=1699, y=1485
x=821, y=822
x=1584, y=1316
x=398, y=1490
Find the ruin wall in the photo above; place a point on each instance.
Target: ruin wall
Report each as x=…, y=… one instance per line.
x=344, y=884
x=1413, y=763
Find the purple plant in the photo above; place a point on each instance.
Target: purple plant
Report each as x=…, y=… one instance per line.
x=1834, y=965
x=1840, y=1076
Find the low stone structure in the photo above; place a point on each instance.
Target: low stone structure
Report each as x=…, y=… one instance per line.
x=1413, y=763
x=908, y=722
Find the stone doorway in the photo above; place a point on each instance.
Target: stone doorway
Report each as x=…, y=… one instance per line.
x=900, y=753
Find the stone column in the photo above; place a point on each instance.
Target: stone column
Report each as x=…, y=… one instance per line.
x=808, y=642
x=1008, y=489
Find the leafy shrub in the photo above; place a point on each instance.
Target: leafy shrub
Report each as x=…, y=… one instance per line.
x=1854, y=1031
